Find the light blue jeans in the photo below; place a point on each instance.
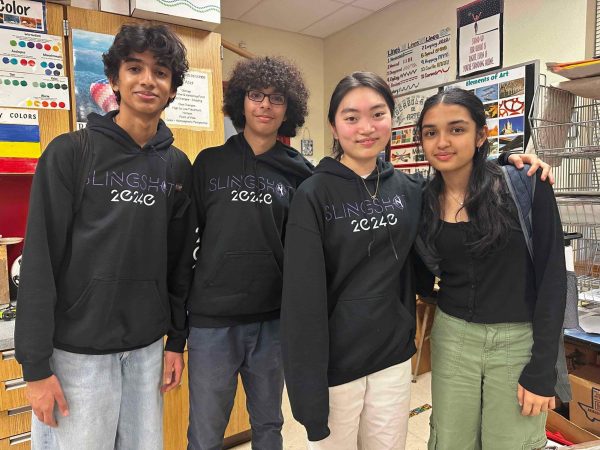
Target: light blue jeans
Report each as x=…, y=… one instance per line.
x=114, y=402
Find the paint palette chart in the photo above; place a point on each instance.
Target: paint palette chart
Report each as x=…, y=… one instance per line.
x=39, y=54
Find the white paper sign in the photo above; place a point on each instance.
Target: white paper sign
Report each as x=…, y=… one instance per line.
x=420, y=63
x=33, y=91
x=192, y=105
x=18, y=116
x=34, y=53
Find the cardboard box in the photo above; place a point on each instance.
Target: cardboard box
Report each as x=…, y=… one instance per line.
x=115, y=6
x=584, y=408
x=555, y=422
x=202, y=14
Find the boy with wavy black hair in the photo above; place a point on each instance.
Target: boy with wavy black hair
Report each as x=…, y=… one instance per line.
x=242, y=192
x=107, y=262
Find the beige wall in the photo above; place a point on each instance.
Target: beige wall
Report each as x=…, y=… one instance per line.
x=548, y=30
x=305, y=51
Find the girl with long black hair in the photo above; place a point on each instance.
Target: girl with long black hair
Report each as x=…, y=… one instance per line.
x=497, y=327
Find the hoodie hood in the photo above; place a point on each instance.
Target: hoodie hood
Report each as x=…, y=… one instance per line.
x=280, y=157
x=161, y=141
x=335, y=167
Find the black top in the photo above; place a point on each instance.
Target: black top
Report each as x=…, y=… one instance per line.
x=114, y=276
x=242, y=203
x=506, y=286
x=348, y=293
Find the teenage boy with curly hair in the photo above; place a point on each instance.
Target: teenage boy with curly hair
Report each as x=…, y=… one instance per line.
x=242, y=193
x=105, y=278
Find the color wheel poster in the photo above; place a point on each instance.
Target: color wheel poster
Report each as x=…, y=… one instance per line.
x=92, y=90
x=503, y=96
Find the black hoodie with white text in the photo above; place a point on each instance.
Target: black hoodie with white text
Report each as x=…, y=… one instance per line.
x=349, y=288
x=242, y=203
x=114, y=276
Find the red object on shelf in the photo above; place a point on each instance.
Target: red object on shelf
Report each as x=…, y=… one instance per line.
x=18, y=166
x=14, y=204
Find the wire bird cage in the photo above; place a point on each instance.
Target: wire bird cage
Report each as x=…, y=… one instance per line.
x=566, y=133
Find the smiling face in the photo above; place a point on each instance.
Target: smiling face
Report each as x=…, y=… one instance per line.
x=363, y=125
x=144, y=86
x=449, y=137
x=263, y=118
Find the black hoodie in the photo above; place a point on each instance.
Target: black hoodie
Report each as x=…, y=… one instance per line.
x=114, y=276
x=348, y=292
x=242, y=203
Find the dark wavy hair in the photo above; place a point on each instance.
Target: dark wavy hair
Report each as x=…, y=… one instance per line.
x=263, y=73
x=348, y=83
x=488, y=203
x=164, y=44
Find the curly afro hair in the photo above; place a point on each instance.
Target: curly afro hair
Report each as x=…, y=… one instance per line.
x=164, y=44
x=263, y=73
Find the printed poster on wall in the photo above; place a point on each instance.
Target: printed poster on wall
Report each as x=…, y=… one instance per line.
x=479, y=31
x=405, y=153
x=27, y=15
x=23, y=90
x=419, y=64
x=503, y=96
x=39, y=54
x=192, y=105
x=92, y=90
x=19, y=133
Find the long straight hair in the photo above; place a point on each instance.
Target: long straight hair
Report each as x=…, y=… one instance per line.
x=488, y=203
x=348, y=83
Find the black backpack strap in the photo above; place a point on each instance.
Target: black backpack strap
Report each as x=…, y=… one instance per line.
x=82, y=163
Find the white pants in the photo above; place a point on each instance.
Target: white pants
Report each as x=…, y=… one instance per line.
x=370, y=413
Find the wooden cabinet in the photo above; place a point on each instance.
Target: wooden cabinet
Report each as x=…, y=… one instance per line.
x=15, y=413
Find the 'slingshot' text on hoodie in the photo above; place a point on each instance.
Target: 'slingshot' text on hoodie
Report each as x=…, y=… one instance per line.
x=349, y=292
x=114, y=276
x=242, y=203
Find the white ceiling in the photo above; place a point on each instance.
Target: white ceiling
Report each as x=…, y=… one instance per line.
x=318, y=18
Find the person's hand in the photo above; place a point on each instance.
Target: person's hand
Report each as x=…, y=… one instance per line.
x=172, y=371
x=518, y=159
x=42, y=394
x=532, y=404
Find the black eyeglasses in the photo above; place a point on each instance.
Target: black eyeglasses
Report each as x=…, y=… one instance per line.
x=258, y=96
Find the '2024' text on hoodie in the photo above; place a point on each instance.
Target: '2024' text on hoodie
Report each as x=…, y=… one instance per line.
x=349, y=287
x=115, y=276
x=242, y=203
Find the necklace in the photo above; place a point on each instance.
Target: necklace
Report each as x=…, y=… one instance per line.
x=374, y=195
x=456, y=199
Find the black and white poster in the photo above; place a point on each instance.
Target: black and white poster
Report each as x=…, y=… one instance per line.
x=479, y=36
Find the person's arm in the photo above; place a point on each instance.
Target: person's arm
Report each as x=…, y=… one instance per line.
x=520, y=159
x=539, y=375
x=46, y=240
x=304, y=320
x=180, y=244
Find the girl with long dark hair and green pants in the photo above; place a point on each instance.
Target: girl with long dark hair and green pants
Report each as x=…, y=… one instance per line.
x=497, y=327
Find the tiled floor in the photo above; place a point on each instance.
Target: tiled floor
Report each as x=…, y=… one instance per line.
x=294, y=436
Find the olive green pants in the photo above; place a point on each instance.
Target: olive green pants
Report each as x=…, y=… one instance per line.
x=475, y=373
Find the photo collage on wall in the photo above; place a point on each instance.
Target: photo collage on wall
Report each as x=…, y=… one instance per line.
x=503, y=96
x=405, y=153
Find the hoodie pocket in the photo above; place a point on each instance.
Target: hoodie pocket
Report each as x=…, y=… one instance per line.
x=115, y=314
x=244, y=282
x=368, y=331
